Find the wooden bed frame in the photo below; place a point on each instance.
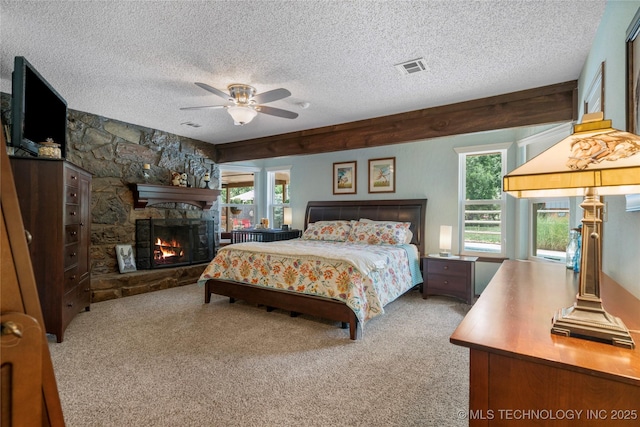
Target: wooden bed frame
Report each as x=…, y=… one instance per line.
x=405, y=210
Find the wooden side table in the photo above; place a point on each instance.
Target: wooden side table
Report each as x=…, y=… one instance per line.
x=452, y=276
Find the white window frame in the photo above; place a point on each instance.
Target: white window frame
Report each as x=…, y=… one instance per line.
x=271, y=191
x=245, y=169
x=463, y=153
x=532, y=238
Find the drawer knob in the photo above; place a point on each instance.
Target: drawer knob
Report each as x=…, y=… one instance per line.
x=73, y=233
x=446, y=282
x=10, y=328
x=69, y=304
x=74, y=194
x=446, y=267
x=73, y=213
x=72, y=277
x=72, y=254
x=74, y=177
x=28, y=236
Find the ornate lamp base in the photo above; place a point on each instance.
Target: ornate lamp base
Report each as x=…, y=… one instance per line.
x=592, y=323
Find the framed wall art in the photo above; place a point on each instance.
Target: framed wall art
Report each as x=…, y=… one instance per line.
x=344, y=178
x=633, y=75
x=382, y=175
x=126, y=260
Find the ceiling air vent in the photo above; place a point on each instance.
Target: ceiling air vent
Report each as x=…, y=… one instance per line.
x=411, y=67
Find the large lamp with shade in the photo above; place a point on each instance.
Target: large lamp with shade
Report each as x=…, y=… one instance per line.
x=595, y=160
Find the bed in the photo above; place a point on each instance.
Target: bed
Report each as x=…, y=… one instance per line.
x=411, y=211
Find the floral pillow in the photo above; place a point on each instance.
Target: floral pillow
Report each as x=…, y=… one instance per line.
x=337, y=231
x=409, y=236
x=379, y=233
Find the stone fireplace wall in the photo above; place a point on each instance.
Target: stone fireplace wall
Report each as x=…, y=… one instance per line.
x=115, y=152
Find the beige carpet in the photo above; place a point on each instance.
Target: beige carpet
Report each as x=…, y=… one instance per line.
x=167, y=359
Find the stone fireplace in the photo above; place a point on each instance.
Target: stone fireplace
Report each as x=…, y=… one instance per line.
x=162, y=243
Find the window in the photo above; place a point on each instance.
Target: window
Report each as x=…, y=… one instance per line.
x=238, y=207
x=550, y=220
x=482, y=202
x=279, y=181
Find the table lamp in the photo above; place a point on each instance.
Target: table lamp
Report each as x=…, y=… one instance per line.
x=446, y=233
x=287, y=214
x=595, y=160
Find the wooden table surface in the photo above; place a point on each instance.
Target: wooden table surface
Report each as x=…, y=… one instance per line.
x=513, y=317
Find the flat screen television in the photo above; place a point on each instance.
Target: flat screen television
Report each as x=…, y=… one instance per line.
x=38, y=111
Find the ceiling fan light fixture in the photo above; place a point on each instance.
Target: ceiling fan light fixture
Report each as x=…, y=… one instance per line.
x=241, y=115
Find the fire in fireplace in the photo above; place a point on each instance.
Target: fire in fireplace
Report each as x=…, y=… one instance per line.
x=173, y=242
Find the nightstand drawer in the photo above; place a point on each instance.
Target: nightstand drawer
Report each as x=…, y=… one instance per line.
x=449, y=268
x=450, y=283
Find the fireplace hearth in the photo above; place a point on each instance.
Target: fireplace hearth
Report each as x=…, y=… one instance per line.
x=174, y=242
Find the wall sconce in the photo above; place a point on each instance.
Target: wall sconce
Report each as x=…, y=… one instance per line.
x=287, y=218
x=206, y=179
x=145, y=171
x=446, y=233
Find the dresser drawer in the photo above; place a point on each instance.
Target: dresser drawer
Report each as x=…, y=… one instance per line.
x=72, y=304
x=449, y=268
x=71, y=213
x=70, y=255
x=71, y=233
x=71, y=195
x=70, y=278
x=71, y=177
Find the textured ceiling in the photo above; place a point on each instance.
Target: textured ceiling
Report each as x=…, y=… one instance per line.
x=137, y=61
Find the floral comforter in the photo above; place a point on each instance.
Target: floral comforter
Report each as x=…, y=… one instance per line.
x=365, y=277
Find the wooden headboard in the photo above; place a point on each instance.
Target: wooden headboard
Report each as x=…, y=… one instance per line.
x=406, y=210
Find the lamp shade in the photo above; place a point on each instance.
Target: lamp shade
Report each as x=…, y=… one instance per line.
x=594, y=156
x=241, y=115
x=446, y=231
x=287, y=216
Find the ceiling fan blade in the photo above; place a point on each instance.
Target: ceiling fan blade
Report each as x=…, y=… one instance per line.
x=276, y=112
x=203, y=107
x=215, y=91
x=271, y=95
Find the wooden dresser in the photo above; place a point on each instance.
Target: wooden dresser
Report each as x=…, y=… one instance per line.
x=521, y=374
x=55, y=201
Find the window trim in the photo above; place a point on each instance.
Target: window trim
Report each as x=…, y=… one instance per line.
x=532, y=225
x=463, y=153
x=271, y=205
x=246, y=169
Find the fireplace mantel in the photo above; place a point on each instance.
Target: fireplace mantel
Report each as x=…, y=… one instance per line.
x=151, y=194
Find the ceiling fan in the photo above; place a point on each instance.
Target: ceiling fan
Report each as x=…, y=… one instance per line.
x=246, y=104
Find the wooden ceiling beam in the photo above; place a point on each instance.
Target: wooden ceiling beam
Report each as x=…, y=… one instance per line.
x=530, y=107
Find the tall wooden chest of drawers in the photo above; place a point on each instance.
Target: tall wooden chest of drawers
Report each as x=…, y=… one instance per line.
x=453, y=276
x=55, y=202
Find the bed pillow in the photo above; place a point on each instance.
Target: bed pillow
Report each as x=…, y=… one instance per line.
x=337, y=231
x=409, y=236
x=379, y=232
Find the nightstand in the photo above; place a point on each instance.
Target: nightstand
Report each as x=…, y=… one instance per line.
x=451, y=276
